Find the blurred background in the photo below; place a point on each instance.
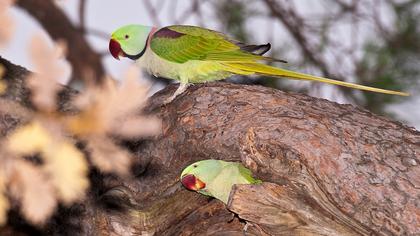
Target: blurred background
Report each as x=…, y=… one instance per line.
x=371, y=42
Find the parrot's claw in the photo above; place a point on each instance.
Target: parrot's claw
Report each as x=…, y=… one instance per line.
x=182, y=87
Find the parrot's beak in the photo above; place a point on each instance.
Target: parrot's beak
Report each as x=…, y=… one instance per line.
x=115, y=49
x=192, y=183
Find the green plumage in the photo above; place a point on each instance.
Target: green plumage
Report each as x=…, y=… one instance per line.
x=219, y=177
x=200, y=44
x=192, y=54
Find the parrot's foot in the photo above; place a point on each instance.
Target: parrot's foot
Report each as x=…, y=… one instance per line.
x=182, y=87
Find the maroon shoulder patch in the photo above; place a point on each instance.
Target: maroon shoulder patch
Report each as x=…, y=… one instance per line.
x=167, y=33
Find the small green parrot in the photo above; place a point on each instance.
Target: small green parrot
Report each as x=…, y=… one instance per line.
x=215, y=178
x=192, y=54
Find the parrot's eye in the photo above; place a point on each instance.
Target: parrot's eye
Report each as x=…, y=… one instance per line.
x=195, y=166
x=126, y=36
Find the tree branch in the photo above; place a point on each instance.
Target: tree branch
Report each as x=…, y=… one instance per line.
x=296, y=27
x=82, y=15
x=293, y=24
x=86, y=63
x=327, y=169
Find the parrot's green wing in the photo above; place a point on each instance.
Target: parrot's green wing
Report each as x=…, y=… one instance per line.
x=183, y=43
x=232, y=173
x=247, y=174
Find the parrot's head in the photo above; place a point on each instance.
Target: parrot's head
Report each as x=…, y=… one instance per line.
x=196, y=175
x=129, y=41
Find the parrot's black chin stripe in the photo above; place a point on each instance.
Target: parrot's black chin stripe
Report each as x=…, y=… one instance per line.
x=137, y=56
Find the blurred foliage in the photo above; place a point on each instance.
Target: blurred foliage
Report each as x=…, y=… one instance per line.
x=41, y=165
x=233, y=16
x=390, y=56
x=234, y=22
x=394, y=62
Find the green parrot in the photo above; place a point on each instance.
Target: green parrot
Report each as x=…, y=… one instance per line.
x=215, y=178
x=192, y=54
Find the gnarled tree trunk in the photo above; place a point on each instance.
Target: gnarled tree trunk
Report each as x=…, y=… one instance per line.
x=328, y=169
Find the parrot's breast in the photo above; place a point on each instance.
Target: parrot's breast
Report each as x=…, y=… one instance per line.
x=193, y=71
x=222, y=184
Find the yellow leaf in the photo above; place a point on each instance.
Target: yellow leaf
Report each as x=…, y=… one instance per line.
x=44, y=84
x=138, y=126
x=34, y=190
x=106, y=109
x=7, y=24
x=107, y=156
x=68, y=169
x=4, y=203
x=85, y=123
x=28, y=139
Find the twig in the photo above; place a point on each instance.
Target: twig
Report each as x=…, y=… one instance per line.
x=82, y=14
x=86, y=63
x=152, y=12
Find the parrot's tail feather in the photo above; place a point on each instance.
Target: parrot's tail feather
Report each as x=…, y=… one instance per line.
x=256, y=49
x=259, y=50
x=274, y=71
x=265, y=58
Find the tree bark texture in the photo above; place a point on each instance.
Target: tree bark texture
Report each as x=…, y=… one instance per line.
x=328, y=169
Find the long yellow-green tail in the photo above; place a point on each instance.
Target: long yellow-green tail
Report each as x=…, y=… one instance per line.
x=263, y=69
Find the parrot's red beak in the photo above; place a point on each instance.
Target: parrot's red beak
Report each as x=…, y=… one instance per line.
x=192, y=183
x=115, y=49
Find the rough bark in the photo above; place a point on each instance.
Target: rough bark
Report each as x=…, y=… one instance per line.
x=328, y=169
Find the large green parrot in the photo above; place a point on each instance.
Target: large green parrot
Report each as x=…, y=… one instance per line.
x=192, y=54
x=215, y=178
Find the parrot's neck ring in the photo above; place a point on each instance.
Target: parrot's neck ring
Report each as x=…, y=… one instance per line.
x=137, y=56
